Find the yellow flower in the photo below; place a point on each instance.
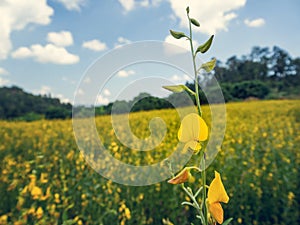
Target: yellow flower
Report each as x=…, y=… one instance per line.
x=39, y=213
x=193, y=129
x=3, y=219
x=36, y=192
x=217, y=194
x=181, y=177
x=43, y=178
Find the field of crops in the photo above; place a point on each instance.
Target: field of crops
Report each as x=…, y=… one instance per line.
x=45, y=180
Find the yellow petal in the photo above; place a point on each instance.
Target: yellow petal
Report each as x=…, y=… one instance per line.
x=216, y=191
x=217, y=212
x=182, y=177
x=192, y=128
x=194, y=145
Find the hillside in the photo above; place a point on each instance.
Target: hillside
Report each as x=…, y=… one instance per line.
x=20, y=105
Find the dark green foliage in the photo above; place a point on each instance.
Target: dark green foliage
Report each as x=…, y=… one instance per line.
x=17, y=104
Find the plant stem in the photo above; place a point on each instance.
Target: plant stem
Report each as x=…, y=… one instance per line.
x=203, y=173
x=195, y=68
x=195, y=203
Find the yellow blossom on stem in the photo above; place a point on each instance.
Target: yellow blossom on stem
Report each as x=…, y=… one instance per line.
x=193, y=129
x=39, y=213
x=36, y=192
x=217, y=194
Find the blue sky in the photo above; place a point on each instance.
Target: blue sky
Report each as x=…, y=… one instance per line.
x=47, y=46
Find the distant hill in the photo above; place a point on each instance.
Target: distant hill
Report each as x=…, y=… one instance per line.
x=17, y=104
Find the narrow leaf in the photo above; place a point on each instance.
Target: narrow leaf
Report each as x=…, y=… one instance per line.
x=178, y=88
x=227, y=221
x=177, y=34
x=209, y=66
x=195, y=22
x=204, y=48
x=188, y=203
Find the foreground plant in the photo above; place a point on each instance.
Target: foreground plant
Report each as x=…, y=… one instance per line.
x=194, y=132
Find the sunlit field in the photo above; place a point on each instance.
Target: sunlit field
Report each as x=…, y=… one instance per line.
x=45, y=180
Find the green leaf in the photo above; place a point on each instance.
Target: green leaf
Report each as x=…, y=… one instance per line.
x=227, y=221
x=65, y=213
x=178, y=88
x=187, y=10
x=209, y=66
x=195, y=22
x=204, y=48
x=177, y=34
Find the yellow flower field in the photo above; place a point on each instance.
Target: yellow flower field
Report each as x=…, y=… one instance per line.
x=45, y=179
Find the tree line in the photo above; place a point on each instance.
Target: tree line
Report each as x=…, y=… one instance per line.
x=16, y=104
x=263, y=74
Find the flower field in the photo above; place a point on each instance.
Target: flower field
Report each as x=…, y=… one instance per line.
x=45, y=179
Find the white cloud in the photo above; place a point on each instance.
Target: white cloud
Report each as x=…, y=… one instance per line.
x=63, y=38
x=255, y=23
x=3, y=81
x=94, y=45
x=62, y=98
x=72, y=4
x=46, y=54
x=80, y=92
x=181, y=78
x=44, y=90
x=122, y=41
x=16, y=15
x=128, y=5
x=3, y=71
x=106, y=92
x=183, y=43
x=125, y=73
x=102, y=100
x=213, y=15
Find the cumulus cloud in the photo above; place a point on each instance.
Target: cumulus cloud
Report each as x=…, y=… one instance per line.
x=62, y=98
x=94, y=45
x=255, y=23
x=46, y=90
x=129, y=5
x=106, y=92
x=102, y=100
x=3, y=81
x=72, y=4
x=16, y=15
x=125, y=73
x=180, y=78
x=62, y=38
x=3, y=71
x=213, y=15
x=46, y=54
x=79, y=92
x=182, y=43
x=122, y=41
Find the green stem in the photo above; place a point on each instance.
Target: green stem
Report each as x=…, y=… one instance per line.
x=204, y=213
x=194, y=200
x=204, y=191
x=195, y=68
